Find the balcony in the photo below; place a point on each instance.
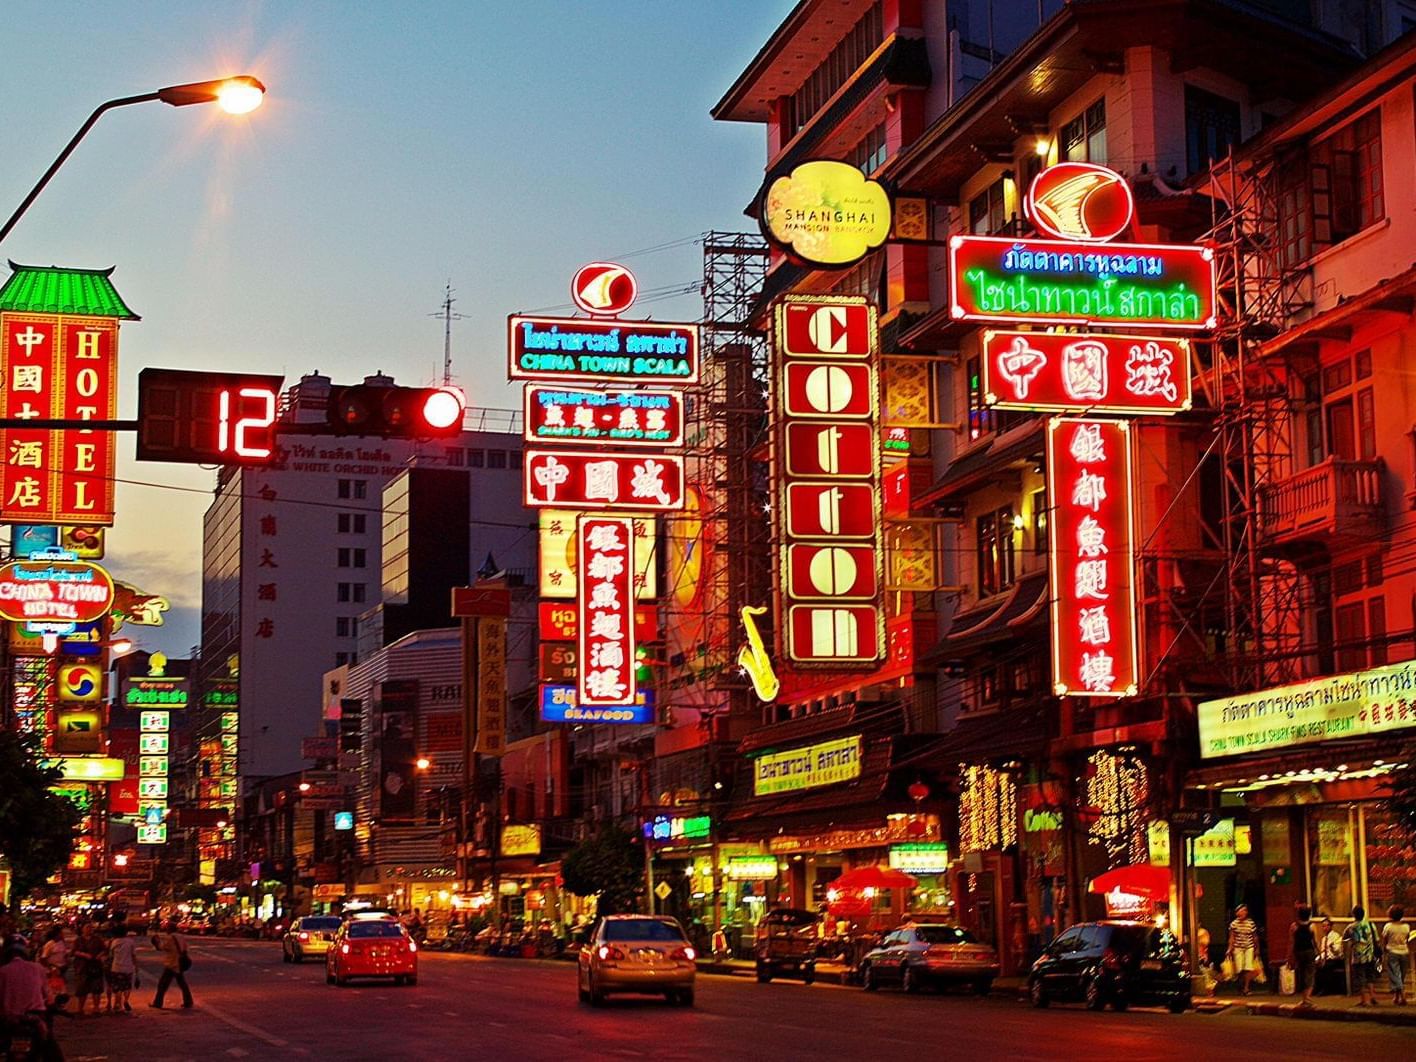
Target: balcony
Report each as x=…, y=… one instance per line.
x=1336, y=504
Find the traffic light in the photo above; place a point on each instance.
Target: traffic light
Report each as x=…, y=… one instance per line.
x=216, y=418
x=396, y=412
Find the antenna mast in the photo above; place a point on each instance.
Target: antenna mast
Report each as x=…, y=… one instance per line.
x=448, y=317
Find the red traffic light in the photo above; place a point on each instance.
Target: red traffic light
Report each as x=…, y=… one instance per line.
x=396, y=412
x=442, y=409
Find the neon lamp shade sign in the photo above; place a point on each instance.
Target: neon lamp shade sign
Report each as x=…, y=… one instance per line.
x=220, y=418
x=604, y=289
x=1110, y=373
x=605, y=571
x=596, y=479
x=1080, y=201
x=1139, y=285
x=625, y=418
x=54, y=592
x=1091, y=537
x=607, y=351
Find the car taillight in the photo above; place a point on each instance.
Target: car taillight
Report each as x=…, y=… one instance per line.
x=684, y=954
x=304, y=936
x=607, y=952
x=344, y=948
x=1110, y=960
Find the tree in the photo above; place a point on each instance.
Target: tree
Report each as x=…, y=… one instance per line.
x=36, y=823
x=608, y=866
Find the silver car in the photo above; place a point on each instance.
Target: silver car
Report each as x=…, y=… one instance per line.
x=646, y=954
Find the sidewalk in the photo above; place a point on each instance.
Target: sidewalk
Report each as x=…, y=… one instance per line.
x=1324, y=1008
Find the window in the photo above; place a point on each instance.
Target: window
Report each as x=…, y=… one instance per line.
x=513, y=458
x=358, y=596
x=995, y=551
x=870, y=154
x=358, y=558
x=835, y=70
x=353, y=488
x=344, y=556
x=476, y=458
x=1211, y=128
x=1340, y=415
x=1350, y=621
x=1039, y=521
x=496, y=458
x=342, y=592
x=1084, y=137
x=347, y=592
x=340, y=659
x=986, y=210
x=1376, y=631
x=351, y=558
x=351, y=523
x=981, y=418
x=456, y=456
x=1333, y=191
x=341, y=627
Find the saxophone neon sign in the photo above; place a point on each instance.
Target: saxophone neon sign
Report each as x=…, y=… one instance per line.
x=754, y=659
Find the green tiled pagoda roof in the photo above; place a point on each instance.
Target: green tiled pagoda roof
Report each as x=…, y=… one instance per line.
x=50, y=289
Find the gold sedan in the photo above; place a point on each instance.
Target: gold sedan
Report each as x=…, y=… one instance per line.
x=637, y=953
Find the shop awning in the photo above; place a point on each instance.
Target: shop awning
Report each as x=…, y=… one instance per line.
x=1138, y=879
x=1001, y=619
x=976, y=466
x=876, y=877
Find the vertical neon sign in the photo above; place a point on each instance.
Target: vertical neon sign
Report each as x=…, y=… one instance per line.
x=605, y=673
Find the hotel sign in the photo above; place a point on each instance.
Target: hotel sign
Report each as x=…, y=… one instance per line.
x=596, y=479
x=825, y=213
x=816, y=765
x=54, y=591
x=1341, y=706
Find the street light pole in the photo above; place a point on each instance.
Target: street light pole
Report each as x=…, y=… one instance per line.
x=237, y=95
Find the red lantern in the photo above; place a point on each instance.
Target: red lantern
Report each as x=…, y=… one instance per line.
x=918, y=791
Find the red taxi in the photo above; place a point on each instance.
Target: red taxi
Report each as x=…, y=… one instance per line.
x=372, y=947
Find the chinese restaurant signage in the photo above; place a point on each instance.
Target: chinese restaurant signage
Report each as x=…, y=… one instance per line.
x=1080, y=201
x=627, y=418
x=825, y=213
x=826, y=463
x=54, y=591
x=674, y=828
x=1092, y=540
x=557, y=546
x=58, y=367
x=1091, y=372
x=557, y=349
x=490, y=683
x=559, y=705
x=559, y=622
x=596, y=479
x=521, y=840
x=920, y=858
x=1059, y=282
x=605, y=671
x=822, y=764
x=1357, y=704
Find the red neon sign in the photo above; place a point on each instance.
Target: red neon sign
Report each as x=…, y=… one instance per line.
x=1117, y=374
x=1140, y=285
x=559, y=622
x=604, y=289
x=624, y=418
x=827, y=470
x=1091, y=537
x=597, y=480
x=605, y=571
x=38, y=591
x=1080, y=201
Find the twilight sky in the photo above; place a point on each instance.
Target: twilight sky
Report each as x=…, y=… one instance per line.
x=401, y=145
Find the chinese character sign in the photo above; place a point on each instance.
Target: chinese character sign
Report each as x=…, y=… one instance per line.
x=58, y=367
x=1111, y=373
x=605, y=674
x=592, y=479
x=1091, y=537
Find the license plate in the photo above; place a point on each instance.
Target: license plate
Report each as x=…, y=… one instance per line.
x=648, y=955
x=1150, y=964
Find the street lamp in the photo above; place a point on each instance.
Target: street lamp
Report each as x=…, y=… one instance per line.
x=235, y=95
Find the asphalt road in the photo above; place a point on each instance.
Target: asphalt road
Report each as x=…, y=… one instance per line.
x=250, y=1005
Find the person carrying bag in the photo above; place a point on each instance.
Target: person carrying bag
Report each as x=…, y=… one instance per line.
x=175, y=964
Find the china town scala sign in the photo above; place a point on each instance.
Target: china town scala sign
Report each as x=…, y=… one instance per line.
x=54, y=592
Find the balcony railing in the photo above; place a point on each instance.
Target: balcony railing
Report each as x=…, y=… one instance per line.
x=1338, y=501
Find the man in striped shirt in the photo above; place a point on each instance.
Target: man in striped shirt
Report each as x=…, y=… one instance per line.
x=1243, y=947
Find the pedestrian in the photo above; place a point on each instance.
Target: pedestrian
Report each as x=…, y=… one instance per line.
x=54, y=957
x=1243, y=948
x=122, y=968
x=88, y=955
x=25, y=998
x=1396, y=937
x=175, y=964
x=1303, y=953
x=1363, y=937
x=1329, y=979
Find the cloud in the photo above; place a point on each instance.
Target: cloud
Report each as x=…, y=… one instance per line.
x=826, y=213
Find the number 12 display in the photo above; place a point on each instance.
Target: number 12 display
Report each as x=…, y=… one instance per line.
x=207, y=418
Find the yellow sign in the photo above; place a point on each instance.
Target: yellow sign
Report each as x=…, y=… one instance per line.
x=815, y=765
x=685, y=544
x=557, y=548
x=751, y=868
x=491, y=684
x=92, y=769
x=521, y=840
x=754, y=659
x=826, y=213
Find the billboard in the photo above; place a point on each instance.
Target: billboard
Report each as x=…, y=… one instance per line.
x=624, y=418
x=598, y=479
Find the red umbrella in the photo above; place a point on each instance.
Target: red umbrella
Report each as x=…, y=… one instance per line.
x=1138, y=879
x=873, y=877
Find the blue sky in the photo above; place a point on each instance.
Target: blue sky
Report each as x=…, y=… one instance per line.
x=402, y=145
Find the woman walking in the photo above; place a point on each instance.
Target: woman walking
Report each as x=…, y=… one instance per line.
x=1363, y=937
x=1396, y=938
x=88, y=954
x=122, y=968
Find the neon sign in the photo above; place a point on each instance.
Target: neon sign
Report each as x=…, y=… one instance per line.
x=1061, y=282
x=626, y=418
x=604, y=289
x=605, y=674
x=825, y=763
x=559, y=705
x=1107, y=373
x=826, y=213
x=754, y=659
x=676, y=828
x=1092, y=540
x=598, y=480
x=54, y=592
x=827, y=465
x=1080, y=201
x=601, y=351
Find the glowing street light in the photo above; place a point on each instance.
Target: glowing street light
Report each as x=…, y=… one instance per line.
x=235, y=95
x=422, y=763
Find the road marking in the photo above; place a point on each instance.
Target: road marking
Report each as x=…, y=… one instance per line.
x=236, y=1052
x=454, y=1014
x=237, y=1023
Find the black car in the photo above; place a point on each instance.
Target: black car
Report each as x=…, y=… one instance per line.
x=1120, y=963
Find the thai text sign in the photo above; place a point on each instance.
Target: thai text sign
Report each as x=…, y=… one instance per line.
x=627, y=418
x=600, y=480
x=58, y=367
x=54, y=592
x=559, y=705
x=601, y=351
x=521, y=840
x=1106, y=373
x=605, y=671
x=816, y=765
x=1060, y=282
x=1340, y=706
x=559, y=622
x=1091, y=539
x=826, y=465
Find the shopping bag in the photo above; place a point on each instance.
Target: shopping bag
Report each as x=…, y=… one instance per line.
x=1226, y=970
x=1287, y=980
x=1260, y=977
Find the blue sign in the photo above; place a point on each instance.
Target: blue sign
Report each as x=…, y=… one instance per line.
x=344, y=820
x=31, y=538
x=558, y=705
x=153, y=815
